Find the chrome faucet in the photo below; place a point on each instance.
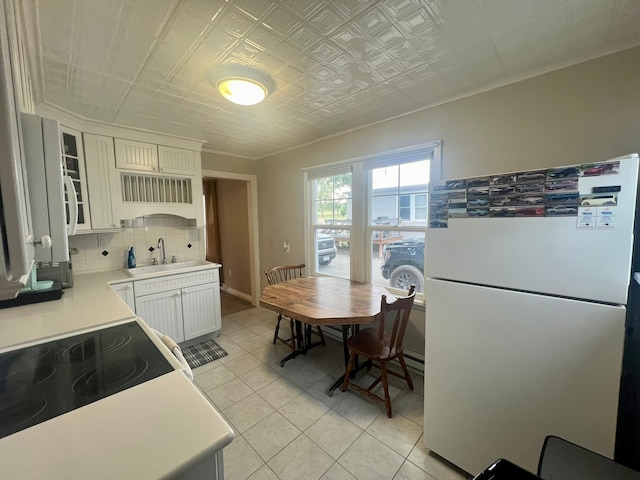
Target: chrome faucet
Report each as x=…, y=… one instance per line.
x=161, y=246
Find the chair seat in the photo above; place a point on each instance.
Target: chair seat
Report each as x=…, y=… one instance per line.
x=365, y=343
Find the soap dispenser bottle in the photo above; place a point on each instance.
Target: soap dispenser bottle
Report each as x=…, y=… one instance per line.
x=131, y=260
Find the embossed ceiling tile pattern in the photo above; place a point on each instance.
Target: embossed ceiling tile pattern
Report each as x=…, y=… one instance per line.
x=337, y=65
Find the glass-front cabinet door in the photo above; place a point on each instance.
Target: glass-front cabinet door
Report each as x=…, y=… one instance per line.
x=74, y=167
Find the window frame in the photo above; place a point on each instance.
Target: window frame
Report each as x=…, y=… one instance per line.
x=361, y=232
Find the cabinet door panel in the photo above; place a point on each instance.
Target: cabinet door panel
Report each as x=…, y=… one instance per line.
x=136, y=155
x=125, y=292
x=162, y=311
x=73, y=165
x=101, y=178
x=176, y=160
x=201, y=310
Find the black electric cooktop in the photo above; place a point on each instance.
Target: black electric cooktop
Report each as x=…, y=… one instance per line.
x=43, y=381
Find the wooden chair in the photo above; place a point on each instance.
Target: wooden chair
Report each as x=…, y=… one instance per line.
x=282, y=273
x=380, y=346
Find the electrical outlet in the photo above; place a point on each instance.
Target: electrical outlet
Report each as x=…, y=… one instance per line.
x=287, y=247
x=229, y=272
x=102, y=242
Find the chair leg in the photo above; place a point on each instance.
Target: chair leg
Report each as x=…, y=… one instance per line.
x=385, y=386
x=321, y=336
x=347, y=374
x=407, y=377
x=275, y=335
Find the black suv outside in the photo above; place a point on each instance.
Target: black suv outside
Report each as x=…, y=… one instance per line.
x=403, y=264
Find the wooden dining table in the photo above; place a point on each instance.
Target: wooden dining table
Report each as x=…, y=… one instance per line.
x=324, y=301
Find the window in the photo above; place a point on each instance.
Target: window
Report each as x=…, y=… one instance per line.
x=332, y=223
x=368, y=218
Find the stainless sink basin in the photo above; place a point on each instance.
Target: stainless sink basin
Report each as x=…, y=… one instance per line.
x=169, y=267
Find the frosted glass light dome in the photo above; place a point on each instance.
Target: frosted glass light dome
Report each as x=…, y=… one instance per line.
x=241, y=84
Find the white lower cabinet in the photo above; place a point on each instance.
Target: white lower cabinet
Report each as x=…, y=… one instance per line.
x=125, y=292
x=183, y=306
x=163, y=311
x=201, y=310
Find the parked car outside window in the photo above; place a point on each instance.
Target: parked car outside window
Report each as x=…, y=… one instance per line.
x=403, y=264
x=326, y=248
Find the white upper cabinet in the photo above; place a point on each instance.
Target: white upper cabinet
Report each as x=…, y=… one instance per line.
x=73, y=165
x=101, y=180
x=176, y=160
x=132, y=155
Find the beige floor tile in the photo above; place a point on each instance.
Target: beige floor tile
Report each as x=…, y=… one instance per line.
x=408, y=471
x=214, y=378
x=260, y=376
x=248, y=412
x=320, y=389
x=229, y=393
x=300, y=460
x=240, y=460
x=270, y=435
x=302, y=373
x=243, y=364
x=359, y=410
x=239, y=335
x=255, y=342
x=333, y=433
x=263, y=473
x=271, y=354
x=398, y=433
x=369, y=459
x=365, y=380
x=303, y=410
x=410, y=405
x=337, y=472
x=432, y=464
x=279, y=392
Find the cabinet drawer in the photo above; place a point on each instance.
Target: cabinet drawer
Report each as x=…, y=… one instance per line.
x=173, y=282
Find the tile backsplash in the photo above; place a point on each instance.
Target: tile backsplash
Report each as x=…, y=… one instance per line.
x=108, y=251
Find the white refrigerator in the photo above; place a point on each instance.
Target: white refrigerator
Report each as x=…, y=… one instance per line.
x=525, y=311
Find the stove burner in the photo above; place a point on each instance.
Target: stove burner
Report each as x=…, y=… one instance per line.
x=109, y=342
x=111, y=378
x=16, y=414
x=32, y=354
x=27, y=378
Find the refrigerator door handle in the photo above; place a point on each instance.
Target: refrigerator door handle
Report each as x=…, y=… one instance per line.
x=72, y=201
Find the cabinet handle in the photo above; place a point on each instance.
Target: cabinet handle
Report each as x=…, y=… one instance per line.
x=129, y=287
x=185, y=291
x=177, y=294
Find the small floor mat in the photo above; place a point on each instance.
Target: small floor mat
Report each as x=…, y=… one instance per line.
x=203, y=353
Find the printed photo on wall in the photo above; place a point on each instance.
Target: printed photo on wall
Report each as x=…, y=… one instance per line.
x=456, y=184
x=564, y=172
x=504, y=179
x=599, y=199
x=533, y=176
x=594, y=169
x=478, y=182
x=568, y=185
x=502, y=212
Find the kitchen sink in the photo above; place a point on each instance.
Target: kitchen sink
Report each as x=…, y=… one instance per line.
x=169, y=267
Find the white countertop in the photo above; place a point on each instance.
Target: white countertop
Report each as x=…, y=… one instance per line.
x=88, y=303
x=157, y=429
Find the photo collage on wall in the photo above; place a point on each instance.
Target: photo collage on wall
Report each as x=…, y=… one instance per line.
x=538, y=193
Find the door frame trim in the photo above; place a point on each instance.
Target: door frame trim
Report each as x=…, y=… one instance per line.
x=254, y=241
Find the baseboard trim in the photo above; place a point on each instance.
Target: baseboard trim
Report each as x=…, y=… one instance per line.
x=237, y=293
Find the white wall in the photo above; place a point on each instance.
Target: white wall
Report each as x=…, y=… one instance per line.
x=588, y=112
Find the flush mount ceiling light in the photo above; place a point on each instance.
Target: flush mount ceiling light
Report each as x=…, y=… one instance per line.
x=241, y=84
